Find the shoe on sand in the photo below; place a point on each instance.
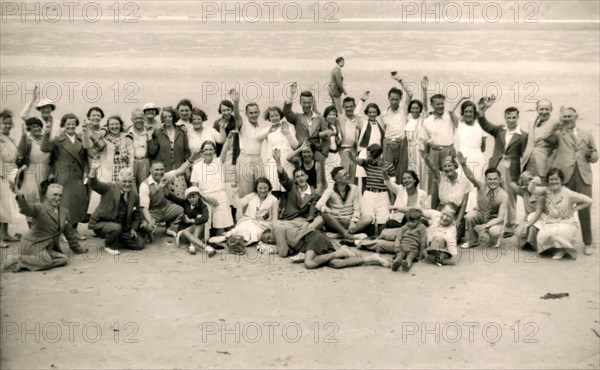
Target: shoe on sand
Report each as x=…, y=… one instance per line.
x=497, y=245
x=559, y=255
x=467, y=245
x=192, y=250
x=588, y=250
x=111, y=251
x=297, y=258
x=217, y=239
x=210, y=250
x=171, y=233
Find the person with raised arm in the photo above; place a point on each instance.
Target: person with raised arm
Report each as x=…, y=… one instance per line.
x=304, y=157
x=350, y=124
x=395, y=147
x=249, y=166
x=575, y=151
x=490, y=213
x=536, y=157
x=41, y=247
x=509, y=143
x=140, y=136
x=438, y=136
x=417, y=112
x=309, y=124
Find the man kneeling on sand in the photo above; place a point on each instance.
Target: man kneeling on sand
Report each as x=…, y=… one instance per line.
x=318, y=250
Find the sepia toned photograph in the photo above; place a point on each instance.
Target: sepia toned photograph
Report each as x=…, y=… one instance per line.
x=302, y=184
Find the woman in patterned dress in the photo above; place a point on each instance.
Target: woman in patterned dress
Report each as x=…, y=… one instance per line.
x=8, y=168
x=116, y=154
x=558, y=226
x=170, y=145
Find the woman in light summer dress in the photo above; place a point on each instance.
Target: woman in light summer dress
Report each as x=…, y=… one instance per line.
x=37, y=162
x=281, y=136
x=8, y=168
x=559, y=229
x=417, y=110
x=261, y=211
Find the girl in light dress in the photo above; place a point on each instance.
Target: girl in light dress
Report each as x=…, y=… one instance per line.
x=261, y=211
x=281, y=136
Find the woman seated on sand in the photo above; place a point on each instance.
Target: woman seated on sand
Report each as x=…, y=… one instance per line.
x=558, y=227
x=261, y=211
x=407, y=196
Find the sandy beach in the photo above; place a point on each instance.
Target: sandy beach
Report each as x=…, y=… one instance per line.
x=163, y=308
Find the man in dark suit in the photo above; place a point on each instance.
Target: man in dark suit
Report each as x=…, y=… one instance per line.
x=41, y=249
x=336, y=85
x=575, y=150
x=309, y=124
x=118, y=216
x=510, y=143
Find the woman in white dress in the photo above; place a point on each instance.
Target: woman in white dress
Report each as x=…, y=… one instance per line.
x=116, y=155
x=471, y=143
x=281, y=136
x=8, y=169
x=209, y=176
x=333, y=159
x=201, y=132
x=261, y=211
x=417, y=110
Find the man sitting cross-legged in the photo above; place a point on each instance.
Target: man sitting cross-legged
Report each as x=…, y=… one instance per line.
x=118, y=215
x=492, y=201
x=318, y=250
x=340, y=205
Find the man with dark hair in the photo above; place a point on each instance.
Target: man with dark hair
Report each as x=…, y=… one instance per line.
x=510, y=143
x=336, y=85
x=490, y=213
x=350, y=124
x=249, y=166
x=340, y=206
x=575, y=150
x=309, y=124
x=395, y=146
x=438, y=135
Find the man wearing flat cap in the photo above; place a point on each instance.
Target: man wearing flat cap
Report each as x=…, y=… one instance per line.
x=118, y=216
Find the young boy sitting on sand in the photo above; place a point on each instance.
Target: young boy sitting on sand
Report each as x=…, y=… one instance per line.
x=411, y=241
x=195, y=215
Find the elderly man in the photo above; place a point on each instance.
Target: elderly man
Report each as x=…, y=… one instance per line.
x=438, y=135
x=510, y=143
x=118, y=216
x=155, y=206
x=395, y=146
x=490, y=213
x=575, y=150
x=309, y=124
x=336, y=85
x=140, y=136
x=41, y=249
x=537, y=151
x=340, y=205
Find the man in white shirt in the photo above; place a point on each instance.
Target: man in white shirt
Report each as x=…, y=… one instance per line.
x=395, y=146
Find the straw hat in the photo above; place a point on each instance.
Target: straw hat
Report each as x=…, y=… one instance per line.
x=45, y=102
x=150, y=106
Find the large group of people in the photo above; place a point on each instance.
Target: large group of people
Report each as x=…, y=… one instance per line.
x=310, y=186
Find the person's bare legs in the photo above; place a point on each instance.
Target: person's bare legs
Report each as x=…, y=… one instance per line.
x=349, y=258
x=191, y=236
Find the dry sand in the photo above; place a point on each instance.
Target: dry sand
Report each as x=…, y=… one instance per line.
x=162, y=308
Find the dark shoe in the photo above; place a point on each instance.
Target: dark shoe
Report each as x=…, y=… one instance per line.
x=507, y=234
x=405, y=266
x=79, y=250
x=396, y=264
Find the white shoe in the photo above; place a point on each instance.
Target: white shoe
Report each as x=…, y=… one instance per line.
x=114, y=252
x=333, y=235
x=171, y=233
x=296, y=259
x=466, y=246
x=360, y=236
x=210, y=250
x=498, y=243
x=177, y=237
x=217, y=239
x=559, y=255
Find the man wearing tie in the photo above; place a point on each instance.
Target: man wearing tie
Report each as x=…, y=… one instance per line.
x=510, y=143
x=118, y=216
x=575, y=150
x=537, y=152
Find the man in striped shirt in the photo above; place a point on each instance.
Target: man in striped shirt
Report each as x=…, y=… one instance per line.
x=375, y=200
